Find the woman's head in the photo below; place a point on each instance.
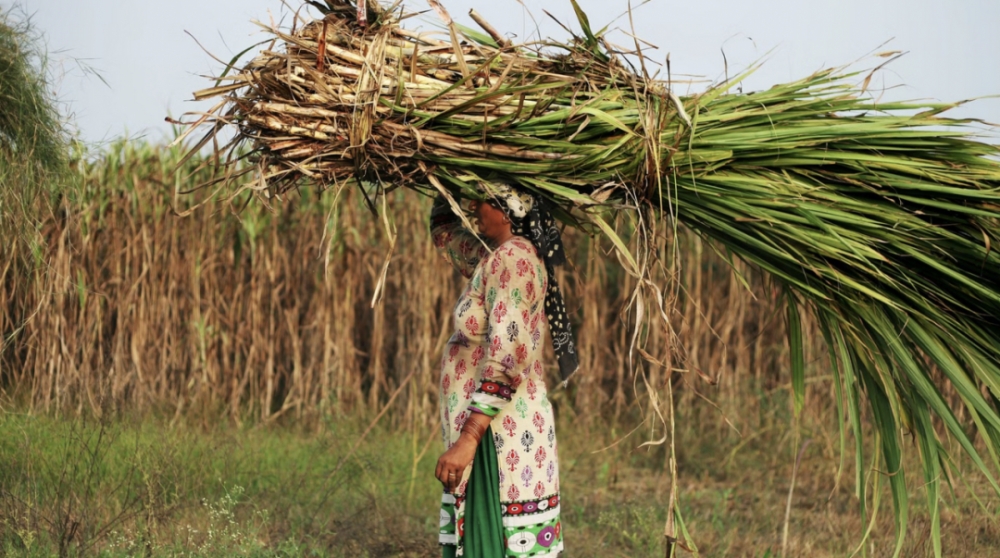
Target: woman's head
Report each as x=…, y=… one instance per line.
x=492, y=221
x=503, y=211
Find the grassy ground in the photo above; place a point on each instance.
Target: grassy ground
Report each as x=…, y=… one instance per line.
x=126, y=488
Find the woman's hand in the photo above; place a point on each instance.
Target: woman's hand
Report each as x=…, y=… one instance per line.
x=451, y=466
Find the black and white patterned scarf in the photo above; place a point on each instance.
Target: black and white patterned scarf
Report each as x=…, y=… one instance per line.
x=531, y=218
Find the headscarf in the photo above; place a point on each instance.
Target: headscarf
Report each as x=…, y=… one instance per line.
x=531, y=218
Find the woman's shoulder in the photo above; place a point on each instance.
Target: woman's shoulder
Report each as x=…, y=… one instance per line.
x=518, y=247
x=514, y=251
x=516, y=257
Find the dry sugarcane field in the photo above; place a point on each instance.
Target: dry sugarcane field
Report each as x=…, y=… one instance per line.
x=229, y=343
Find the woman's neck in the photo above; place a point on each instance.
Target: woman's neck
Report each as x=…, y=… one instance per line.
x=503, y=238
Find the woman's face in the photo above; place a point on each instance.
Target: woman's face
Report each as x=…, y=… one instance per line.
x=492, y=222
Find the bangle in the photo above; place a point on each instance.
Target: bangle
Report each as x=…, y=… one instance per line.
x=474, y=430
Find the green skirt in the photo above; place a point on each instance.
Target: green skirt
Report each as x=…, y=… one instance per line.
x=483, y=535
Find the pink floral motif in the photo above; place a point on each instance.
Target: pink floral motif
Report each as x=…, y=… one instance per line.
x=525, y=316
x=453, y=352
x=495, y=346
x=470, y=386
x=509, y=425
x=446, y=382
x=461, y=487
x=504, y=278
x=499, y=311
x=532, y=389
x=526, y=476
x=550, y=471
x=472, y=325
x=512, y=460
x=522, y=353
x=478, y=355
x=534, y=320
x=523, y=267
x=460, y=420
x=464, y=247
x=538, y=368
x=488, y=373
x=507, y=363
x=513, y=493
x=495, y=265
x=529, y=290
x=540, y=456
x=538, y=420
x=520, y=245
x=539, y=490
x=460, y=369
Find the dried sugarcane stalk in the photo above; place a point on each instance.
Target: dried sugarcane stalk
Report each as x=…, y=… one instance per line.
x=500, y=39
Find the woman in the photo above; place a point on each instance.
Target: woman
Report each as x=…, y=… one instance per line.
x=500, y=470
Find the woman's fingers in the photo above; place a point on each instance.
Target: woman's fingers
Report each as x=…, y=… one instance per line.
x=450, y=470
x=442, y=473
x=447, y=477
x=447, y=474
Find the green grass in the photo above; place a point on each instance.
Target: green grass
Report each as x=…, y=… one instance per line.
x=114, y=488
x=118, y=487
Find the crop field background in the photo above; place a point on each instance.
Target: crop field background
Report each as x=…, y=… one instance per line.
x=207, y=385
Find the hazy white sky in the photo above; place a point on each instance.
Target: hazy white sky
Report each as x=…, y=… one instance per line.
x=151, y=65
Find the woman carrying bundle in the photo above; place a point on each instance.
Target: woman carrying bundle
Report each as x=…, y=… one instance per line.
x=500, y=471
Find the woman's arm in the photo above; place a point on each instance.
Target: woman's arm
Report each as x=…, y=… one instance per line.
x=511, y=303
x=514, y=299
x=451, y=466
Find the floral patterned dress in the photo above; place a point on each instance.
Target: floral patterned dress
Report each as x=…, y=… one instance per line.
x=493, y=365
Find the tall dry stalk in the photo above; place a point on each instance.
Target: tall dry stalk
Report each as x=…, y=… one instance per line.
x=258, y=316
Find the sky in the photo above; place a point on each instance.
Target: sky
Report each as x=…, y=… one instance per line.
x=149, y=61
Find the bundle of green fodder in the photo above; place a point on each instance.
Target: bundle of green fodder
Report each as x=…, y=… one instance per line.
x=879, y=218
